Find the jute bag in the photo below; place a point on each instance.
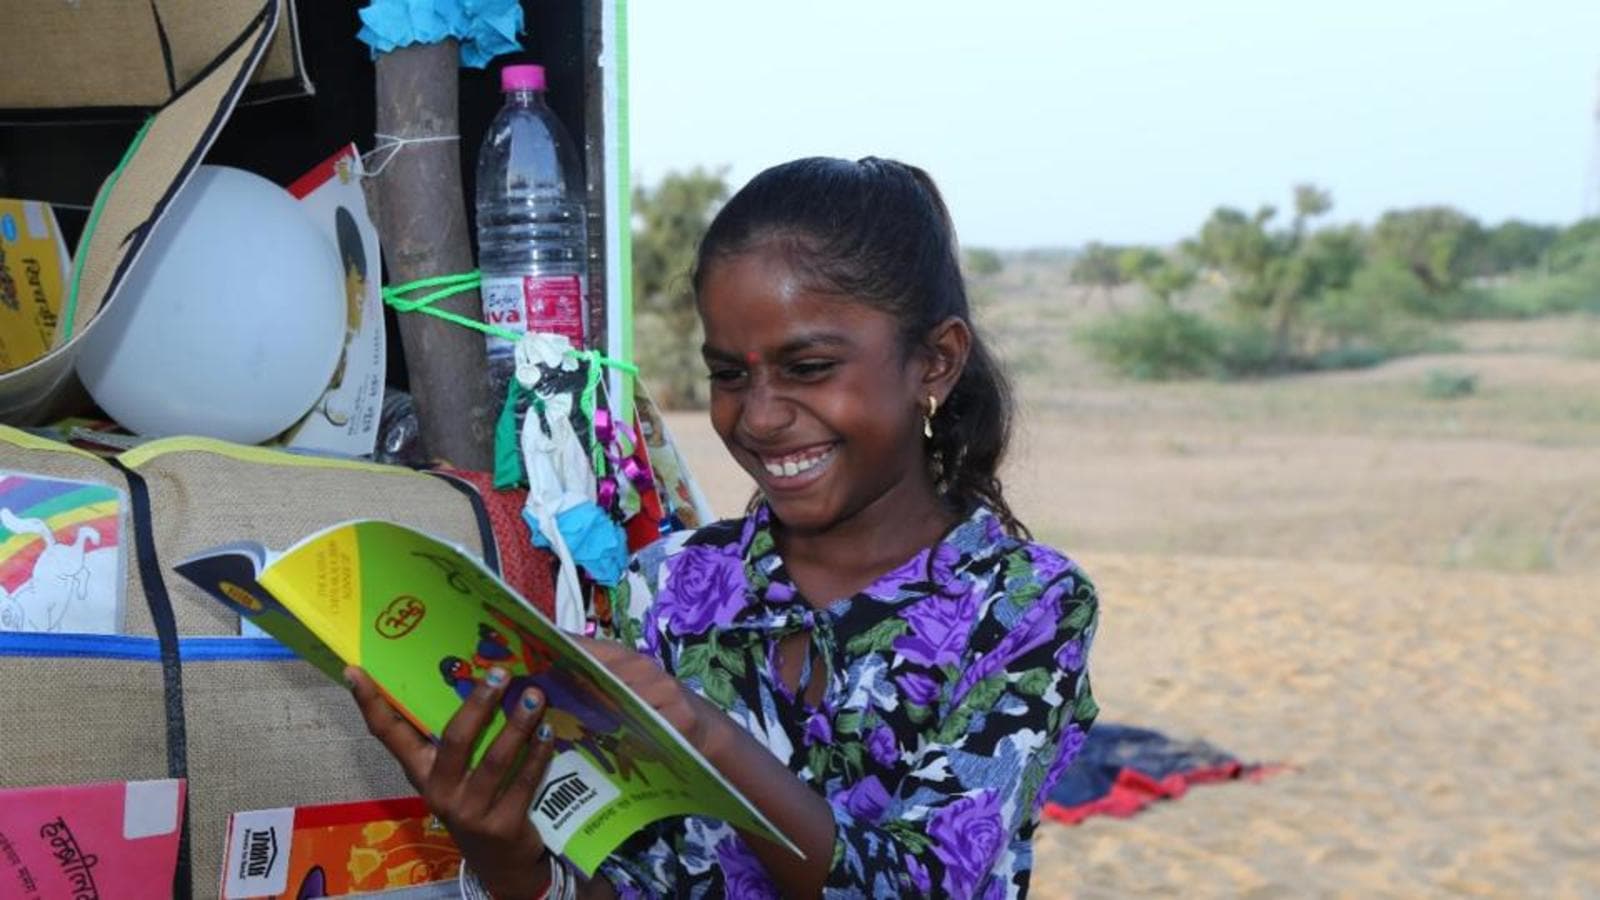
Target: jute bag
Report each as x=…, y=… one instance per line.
x=180, y=693
x=66, y=62
x=266, y=729
x=86, y=710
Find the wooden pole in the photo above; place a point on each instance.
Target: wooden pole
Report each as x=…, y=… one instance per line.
x=422, y=223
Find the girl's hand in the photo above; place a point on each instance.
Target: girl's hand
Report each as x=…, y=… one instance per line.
x=702, y=724
x=749, y=766
x=485, y=808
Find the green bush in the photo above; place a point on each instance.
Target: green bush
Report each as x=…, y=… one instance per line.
x=1376, y=318
x=1354, y=356
x=1355, y=315
x=1246, y=348
x=1575, y=247
x=1449, y=384
x=1155, y=343
x=1574, y=290
x=981, y=262
x=1385, y=288
x=667, y=347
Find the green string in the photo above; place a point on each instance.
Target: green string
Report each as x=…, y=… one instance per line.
x=508, y=462
x=71, y=311
x=449, y=286
x=586, y=402
x=460, y=283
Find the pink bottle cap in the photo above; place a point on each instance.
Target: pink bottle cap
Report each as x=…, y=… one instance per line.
x=522, y=78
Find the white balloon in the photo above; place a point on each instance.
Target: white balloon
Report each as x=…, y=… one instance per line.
x=230, y=323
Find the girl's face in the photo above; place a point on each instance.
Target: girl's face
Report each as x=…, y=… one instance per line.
x=812, y=394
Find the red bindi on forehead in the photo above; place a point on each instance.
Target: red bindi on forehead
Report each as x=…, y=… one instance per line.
x=752, y=357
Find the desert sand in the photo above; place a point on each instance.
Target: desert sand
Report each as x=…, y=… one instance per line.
x=1397, y=597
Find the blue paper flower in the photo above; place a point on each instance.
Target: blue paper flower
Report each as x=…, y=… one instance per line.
x=597, y=544
x=485, y=28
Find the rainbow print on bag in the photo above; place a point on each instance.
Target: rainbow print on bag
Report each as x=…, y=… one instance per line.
x=60, y=555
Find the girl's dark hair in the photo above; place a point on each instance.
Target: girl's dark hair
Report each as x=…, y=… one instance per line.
x=878, y=231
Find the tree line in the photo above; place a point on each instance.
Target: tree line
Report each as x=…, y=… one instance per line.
x=1297, y=296
x=1289, y=293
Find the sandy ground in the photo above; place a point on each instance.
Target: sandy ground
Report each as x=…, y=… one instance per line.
x=1395, y=595
x=1443, y=735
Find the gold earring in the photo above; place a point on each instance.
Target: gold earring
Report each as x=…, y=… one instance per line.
x=927, y=420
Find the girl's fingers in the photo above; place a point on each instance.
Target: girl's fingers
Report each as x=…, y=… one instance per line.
x=461, y=733
x=410, y=747
x=613, y=655
x=525, y=782
x=609, y=653
x=502, y=756
x=628, y=666
x=597, y=648
x=646, y=678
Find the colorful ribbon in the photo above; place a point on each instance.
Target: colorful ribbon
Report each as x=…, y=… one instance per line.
x=619, y=446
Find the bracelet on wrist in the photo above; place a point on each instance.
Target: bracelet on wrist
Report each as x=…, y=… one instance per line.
x=563, y=884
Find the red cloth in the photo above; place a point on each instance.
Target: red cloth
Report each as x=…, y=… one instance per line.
x=1134, y=790
x=528, y=569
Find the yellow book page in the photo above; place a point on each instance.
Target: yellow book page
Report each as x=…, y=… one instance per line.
x=320, y=582
x=33, y=281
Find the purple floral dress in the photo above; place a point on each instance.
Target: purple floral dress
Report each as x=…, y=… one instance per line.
x=954, y=694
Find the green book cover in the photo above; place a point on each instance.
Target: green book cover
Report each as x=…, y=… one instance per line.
x=426, y=620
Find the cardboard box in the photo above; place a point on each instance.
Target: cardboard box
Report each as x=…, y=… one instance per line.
x=95, y=58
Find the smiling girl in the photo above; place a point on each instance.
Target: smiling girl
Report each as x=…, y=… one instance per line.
x=875, y=654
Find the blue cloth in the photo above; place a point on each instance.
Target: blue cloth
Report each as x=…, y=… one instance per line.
x=485, y=28
x=597, y=544
x=1111, y=748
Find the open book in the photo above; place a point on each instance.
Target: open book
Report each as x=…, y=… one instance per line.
x=426, y=620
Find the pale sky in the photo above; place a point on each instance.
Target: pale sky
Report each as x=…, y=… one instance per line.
x=1054, y=122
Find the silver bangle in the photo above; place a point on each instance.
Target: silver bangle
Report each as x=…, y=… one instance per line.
x=563, y=882
x=469, y=885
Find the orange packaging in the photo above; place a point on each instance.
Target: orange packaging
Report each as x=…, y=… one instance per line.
x=336, y=850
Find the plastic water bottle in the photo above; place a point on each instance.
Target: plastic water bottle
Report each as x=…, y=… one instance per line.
x=532, y=241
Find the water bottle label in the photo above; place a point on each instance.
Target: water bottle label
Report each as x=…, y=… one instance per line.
x=551, y=304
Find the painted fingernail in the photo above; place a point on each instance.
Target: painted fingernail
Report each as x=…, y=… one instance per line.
x=496, y=677
x=530, y=701
x=544, y=732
